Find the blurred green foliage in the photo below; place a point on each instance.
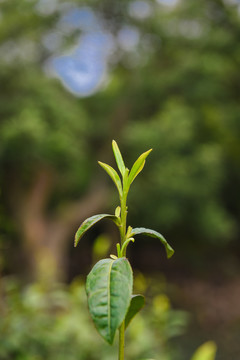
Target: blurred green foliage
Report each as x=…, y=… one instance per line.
x=37, y=323
x=177, y=91
x=101, y=247
x=207, y=351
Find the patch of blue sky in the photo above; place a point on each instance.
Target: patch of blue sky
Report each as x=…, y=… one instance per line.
x=84, y=70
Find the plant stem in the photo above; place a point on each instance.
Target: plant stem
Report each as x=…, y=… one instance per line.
x=123, y=218
x=123, y=236
x=121, y=341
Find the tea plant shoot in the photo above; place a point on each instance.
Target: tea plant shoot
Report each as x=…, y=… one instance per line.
x=110, y=282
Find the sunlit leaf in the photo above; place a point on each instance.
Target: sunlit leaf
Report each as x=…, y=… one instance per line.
x=154, y=234
x=88, y=223
x=118, y=157
x=137, y=303
x=113, y=175
x=138, y=166
x=109, y=290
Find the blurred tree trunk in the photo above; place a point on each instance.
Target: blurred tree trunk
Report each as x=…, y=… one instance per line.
x=45, y=237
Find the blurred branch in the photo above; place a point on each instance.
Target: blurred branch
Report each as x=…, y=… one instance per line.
x=45, y=236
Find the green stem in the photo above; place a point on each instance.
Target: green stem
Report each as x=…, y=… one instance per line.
x=123, y=238
x=121, y=341
x=124, y=247
x=123, y=217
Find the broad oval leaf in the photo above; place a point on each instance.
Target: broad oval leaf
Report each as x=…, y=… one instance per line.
x=109, y=290
x=88, y=223
x=137, y=303
x=113, y=175
x=138, y=166
x=118, y=157
x=155, y=234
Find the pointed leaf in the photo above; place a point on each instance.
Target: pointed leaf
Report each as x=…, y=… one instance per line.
x=118, y=157
x=155, y=234
x=113, y=175
x=137, y=303
x=138, y=166
x=109, y=290
x=88, y=223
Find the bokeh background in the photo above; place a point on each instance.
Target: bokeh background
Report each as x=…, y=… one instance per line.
x=161, y=74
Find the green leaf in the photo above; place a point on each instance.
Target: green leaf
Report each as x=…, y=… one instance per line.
x=138, y=166
x=118, y=157
x=137, y=303
x=126, y=184
x=109, y=290
x=207, y=351
x=155, y=234
x=113, y=175
x=88, y=223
